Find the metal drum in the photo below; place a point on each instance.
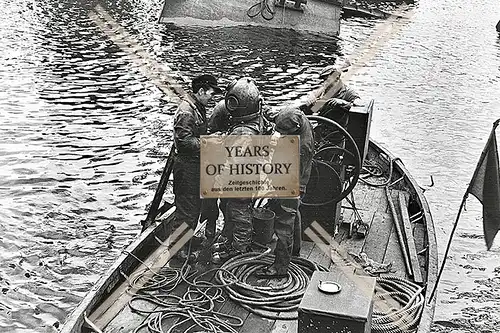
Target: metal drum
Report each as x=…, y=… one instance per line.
x=263, y=225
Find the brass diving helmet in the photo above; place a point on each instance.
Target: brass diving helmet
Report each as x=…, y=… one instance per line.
x=243, y=99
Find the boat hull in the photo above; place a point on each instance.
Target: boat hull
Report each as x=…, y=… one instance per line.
x=315, y=16
x=427, y=239
x=112, y=288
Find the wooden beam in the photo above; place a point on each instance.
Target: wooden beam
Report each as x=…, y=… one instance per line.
x=401, y=237
x=417, y=274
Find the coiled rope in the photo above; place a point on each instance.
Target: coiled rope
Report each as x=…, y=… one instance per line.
x=411, y=299
x=196, y=308
x=270, y=302
x=373, y=170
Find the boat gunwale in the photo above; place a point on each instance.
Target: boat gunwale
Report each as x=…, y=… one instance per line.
x=113, y=276
x=427, y=315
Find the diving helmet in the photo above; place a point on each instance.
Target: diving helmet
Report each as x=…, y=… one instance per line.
x=243, y=99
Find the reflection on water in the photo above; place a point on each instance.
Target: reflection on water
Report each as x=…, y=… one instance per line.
x=436, y=85
x=83, y=135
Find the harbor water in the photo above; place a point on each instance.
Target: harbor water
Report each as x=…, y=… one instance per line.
x=84, y=133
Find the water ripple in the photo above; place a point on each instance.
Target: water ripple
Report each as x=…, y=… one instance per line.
x=84, y=135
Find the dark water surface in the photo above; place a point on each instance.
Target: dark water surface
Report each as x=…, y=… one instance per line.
x=84, y=135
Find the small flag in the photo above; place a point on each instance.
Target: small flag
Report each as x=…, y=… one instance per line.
x=485, y=186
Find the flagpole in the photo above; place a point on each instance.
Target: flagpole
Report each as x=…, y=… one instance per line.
x=449, y=245
x=481, y=159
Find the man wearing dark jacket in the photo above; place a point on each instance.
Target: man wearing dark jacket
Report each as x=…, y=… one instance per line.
x=190, y=122
x=287, y=226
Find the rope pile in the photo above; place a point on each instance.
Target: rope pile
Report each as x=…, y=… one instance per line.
x=270, y=302
x=196, y=309
x=410, y=298
x=373, y=170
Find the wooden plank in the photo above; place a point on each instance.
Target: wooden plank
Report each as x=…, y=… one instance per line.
x=378, y=237
x=285, y=326
x=400, y=232
x=319, y=256
x=339, y=257
x=255, y=323
x=306, y=248
x=393, y=255
x=417, y=274
x=127, y=320
x=393, y=251
x=361, y=193
x=379, y=200
x=419, y=234
x=232, y=308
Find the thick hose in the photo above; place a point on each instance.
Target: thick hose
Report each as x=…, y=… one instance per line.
x=269, y=302
x=196, y=308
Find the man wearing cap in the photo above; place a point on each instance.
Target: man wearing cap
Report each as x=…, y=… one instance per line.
x=287, y=225
x=190, y=122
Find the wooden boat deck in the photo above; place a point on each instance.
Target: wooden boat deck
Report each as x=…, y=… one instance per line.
x=381, y=245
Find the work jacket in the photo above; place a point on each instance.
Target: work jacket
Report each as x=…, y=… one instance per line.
x=294, y=122
x=190, y=122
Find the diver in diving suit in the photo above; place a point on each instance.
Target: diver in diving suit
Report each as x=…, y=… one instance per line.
x=239, y=114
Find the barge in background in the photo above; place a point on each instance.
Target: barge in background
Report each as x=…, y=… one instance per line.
x=322, y=16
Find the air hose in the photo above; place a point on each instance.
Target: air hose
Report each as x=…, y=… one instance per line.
x=197, y=308
x=270, y=302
